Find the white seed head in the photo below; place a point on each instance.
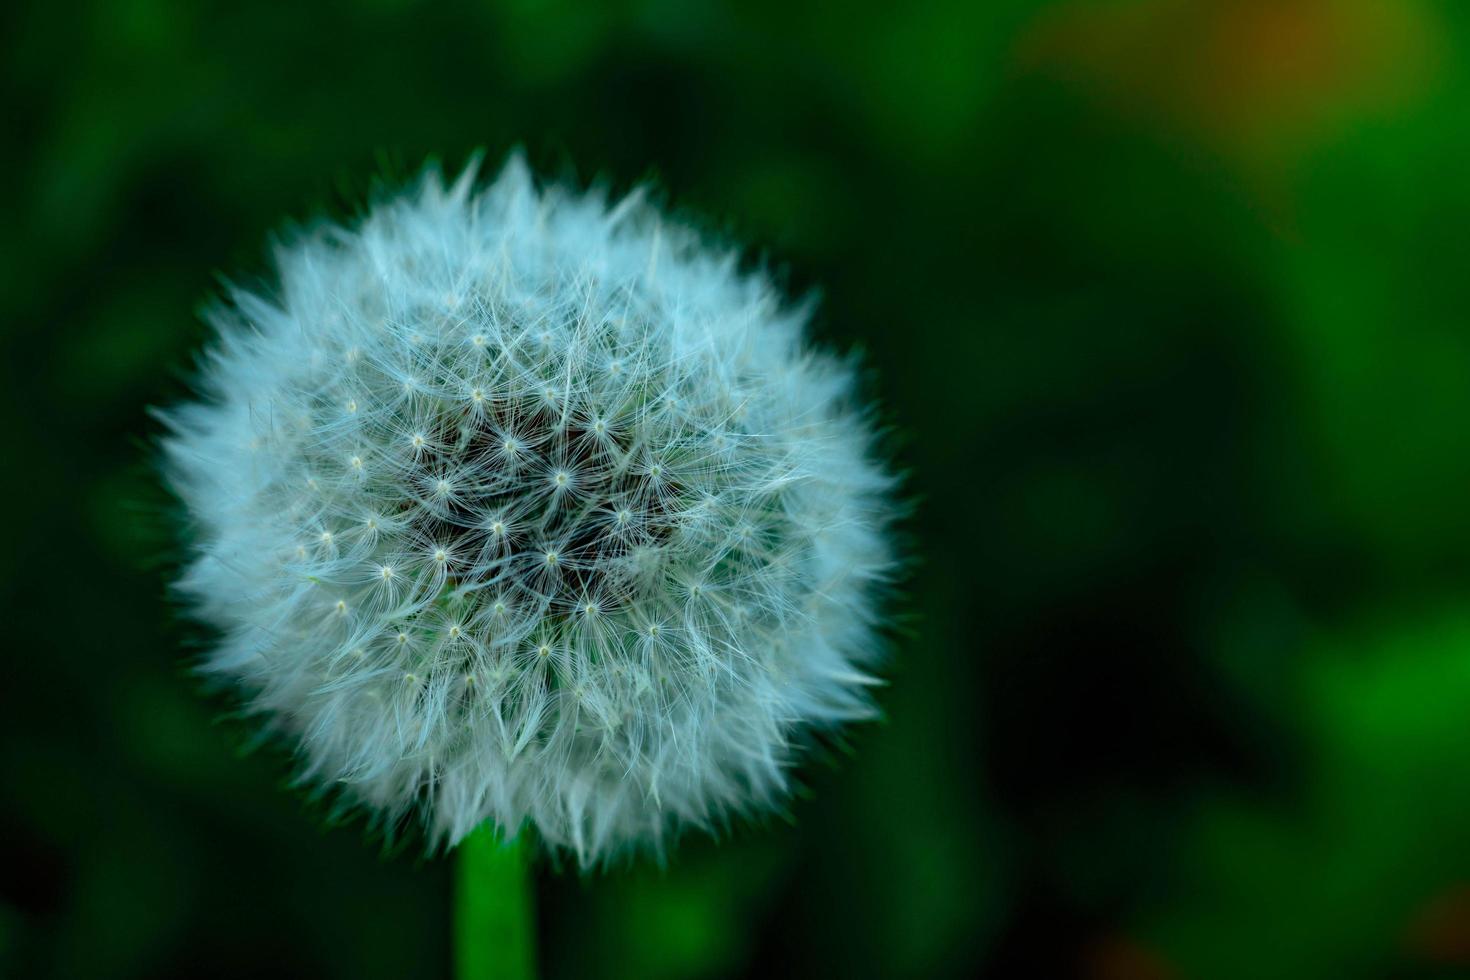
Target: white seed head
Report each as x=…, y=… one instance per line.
x=609, y=538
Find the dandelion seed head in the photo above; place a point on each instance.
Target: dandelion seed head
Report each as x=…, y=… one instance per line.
x=589, y=461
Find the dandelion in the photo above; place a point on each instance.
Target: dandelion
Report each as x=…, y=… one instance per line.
x=514, y=507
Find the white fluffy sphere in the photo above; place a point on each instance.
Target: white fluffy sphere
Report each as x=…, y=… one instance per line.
x=510, y=505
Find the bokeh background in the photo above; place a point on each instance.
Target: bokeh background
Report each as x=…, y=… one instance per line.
x=1166, y=302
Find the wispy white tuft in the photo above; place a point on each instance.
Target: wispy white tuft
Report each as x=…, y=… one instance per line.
x=514, y=506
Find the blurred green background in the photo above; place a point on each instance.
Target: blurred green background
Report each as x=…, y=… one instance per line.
x=1166, y=302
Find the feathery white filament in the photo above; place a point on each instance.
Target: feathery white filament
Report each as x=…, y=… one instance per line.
x=512, y=506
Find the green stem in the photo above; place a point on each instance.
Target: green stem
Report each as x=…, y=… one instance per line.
x=494, y=909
